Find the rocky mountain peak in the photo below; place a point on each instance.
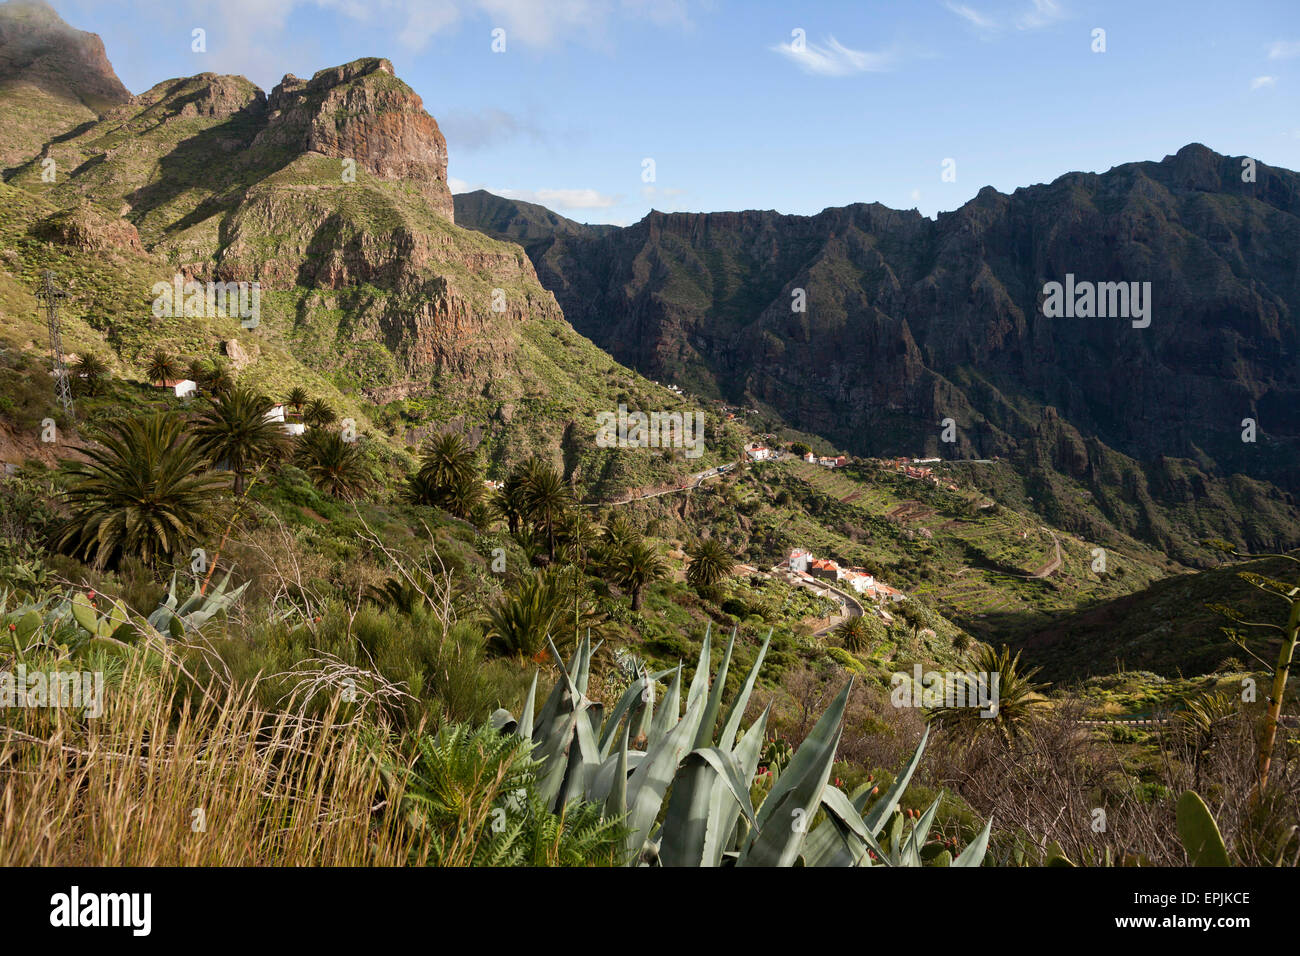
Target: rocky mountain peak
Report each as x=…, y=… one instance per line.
x=52, y=78
x=362, y=111
x=36, y=46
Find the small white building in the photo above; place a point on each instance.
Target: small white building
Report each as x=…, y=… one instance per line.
x=181, y=387
x=277, y=414
x=860, y=581
x=798, y=560
x=757, y=452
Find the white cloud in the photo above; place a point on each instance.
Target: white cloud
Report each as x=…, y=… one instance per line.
x=835, y=59
x=415, y=22
x=1044, y=14
x=561, y=198
x=1283, y=49
x=458, y=185
x=971, y=16
x=1263, y=82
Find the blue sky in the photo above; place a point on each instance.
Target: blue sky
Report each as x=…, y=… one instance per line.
x=740, y=112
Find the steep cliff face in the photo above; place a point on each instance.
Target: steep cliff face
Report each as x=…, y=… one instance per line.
x=907, y=321
x=52, y=78
x=361, y=111
x=330, y=193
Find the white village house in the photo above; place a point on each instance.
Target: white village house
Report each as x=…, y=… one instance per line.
x=277, y=414
x=180, y=387
x=802, y=563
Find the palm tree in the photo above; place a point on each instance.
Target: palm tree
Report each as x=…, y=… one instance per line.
x=335, y=466
x=89, y=373
x=546, y=499
x=145, y=493
x=162, y=368
x=854, y=633
x=447, y=476
x=1016, y=700
x=217, y=378
x=509, y=499
x=579, y=536
x=535, y=609
x=319, y=414
x=522, y=620
x=634, y=567
x=709, y=564
x=297, y=398
x=619, y=530
x=235, y=432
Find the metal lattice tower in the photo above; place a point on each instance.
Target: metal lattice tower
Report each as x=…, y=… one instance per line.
x=62, y=387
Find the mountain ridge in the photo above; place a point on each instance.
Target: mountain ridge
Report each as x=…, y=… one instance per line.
x=910, y=322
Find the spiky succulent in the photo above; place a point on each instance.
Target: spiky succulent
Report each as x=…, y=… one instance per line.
x=710, y=819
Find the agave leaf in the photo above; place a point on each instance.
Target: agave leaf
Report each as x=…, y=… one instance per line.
x=687, y=822
x=650, y=780
x=669, y=711
x=503, y=722
x=786, y=814
x=556, y=697
x=704, y=736
x=747, y=753
x=583, y=673
x=911, y=854
x=737, y=711
x=973, y=855
x=526, y=715
x=605, y=780
x=700, y=680
x=692, y=829
x=584, y=759
x=556, y=745
x=880, y=810
x=616, y=804
x=844, y=838
x=628, y=703
x=810, y=755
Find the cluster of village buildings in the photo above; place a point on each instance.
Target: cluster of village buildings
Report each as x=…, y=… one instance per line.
x=803, y=564
x=757, y=451
x=185, y=387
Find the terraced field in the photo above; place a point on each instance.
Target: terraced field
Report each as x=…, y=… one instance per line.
x=976, y=564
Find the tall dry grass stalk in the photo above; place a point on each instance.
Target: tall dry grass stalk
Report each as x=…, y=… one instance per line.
x=177, y=774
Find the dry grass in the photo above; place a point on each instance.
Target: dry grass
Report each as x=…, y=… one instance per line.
x=180, y=774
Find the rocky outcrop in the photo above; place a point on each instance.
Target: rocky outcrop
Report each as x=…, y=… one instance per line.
x=361, y=111
x=90, y=229
x=210, y=95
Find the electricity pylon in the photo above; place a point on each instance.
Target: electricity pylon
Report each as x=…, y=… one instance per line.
x=62, y=387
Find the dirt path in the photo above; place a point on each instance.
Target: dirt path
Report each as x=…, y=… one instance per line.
x=689, y=486
x=1051, y=566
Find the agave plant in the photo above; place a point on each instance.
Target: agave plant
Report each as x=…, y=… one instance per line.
x=709, y=819
x=174, y=618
